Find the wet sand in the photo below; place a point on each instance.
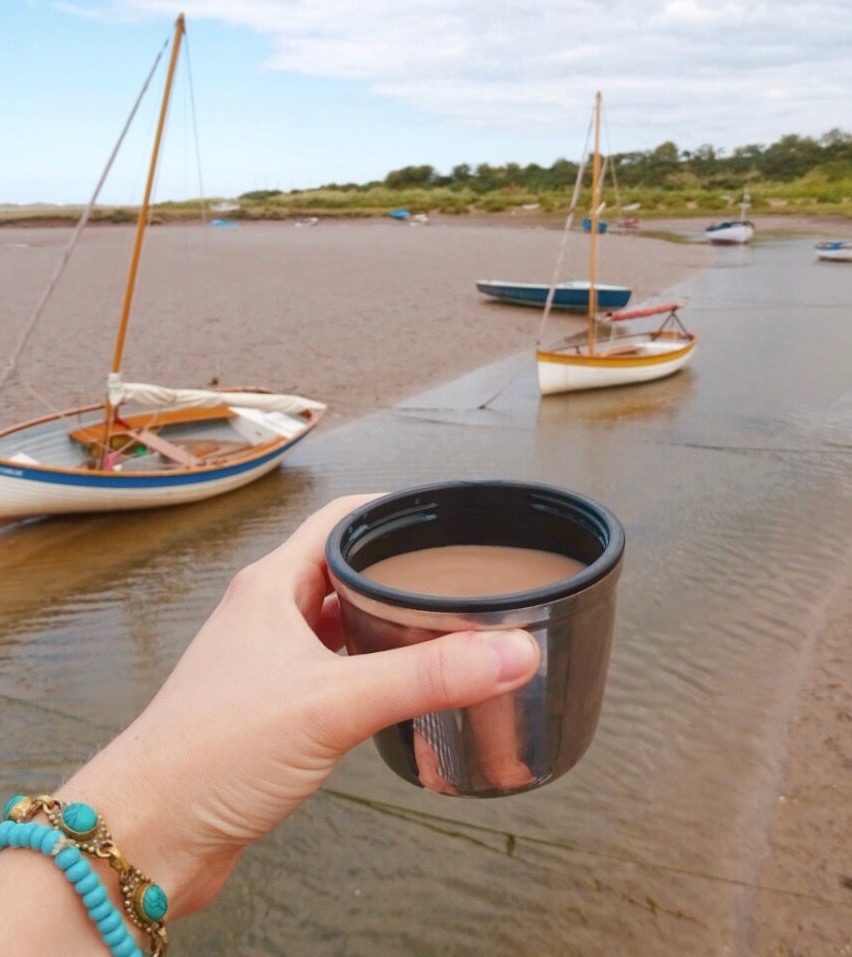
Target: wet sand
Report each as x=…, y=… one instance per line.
x=357, y=314
x=362, y=315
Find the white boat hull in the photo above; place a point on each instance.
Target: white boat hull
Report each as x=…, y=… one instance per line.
x=42, y=471
x=626, y=361
x=730, y=234
x=838, y=251
x=28, y=492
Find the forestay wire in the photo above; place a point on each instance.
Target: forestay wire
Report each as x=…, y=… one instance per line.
x=557, y=269
x=84, y=218
x=194, y=123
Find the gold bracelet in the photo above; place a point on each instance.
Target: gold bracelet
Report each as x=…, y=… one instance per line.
x=144, y=902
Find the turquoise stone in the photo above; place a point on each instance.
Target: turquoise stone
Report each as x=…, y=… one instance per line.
x=154, y=902
x=7, y=807
x=79, y=819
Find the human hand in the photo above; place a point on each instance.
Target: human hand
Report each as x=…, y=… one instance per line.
x=259, y=710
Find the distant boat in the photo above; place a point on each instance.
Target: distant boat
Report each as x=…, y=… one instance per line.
x=573, y=294
x=836, y=250
x=732, y=232
x=590, y=359
x=401, y=214
x=144, y=445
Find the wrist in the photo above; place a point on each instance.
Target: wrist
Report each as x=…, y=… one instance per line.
x=151, y=814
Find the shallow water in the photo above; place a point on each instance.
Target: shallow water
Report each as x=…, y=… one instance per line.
x=733, y=481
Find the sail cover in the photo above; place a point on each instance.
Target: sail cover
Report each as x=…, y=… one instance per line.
x=154, y=396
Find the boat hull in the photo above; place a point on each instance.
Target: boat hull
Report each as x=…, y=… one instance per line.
x=626, y=361
x=32, y=486
x=835, y=251
x=733, y=233
x=567, y=295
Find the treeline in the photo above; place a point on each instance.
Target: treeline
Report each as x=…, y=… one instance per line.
x=791, y=158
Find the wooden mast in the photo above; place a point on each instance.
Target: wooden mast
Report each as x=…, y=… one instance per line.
x=595, y=219
x=141, y=223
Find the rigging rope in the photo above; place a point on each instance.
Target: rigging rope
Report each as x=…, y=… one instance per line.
x=84, y=218
x=194, y=126
x=565, y=231
x=609, y=154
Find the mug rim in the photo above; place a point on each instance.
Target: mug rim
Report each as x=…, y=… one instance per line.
x=606, y=563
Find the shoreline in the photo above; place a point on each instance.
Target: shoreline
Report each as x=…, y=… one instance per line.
x=782, y=222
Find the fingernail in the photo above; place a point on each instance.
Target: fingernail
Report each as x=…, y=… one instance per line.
x=516, y=652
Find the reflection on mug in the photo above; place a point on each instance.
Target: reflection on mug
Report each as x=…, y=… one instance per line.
x=496, y=747
x=494, y=728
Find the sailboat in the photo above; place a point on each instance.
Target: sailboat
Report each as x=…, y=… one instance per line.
x=835, y=250
x=572, y=294
x=144, y=445
x=602, y=356
x=732, y=232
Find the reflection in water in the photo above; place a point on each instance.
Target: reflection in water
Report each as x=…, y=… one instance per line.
x=733, y=483
x=655, y=400
x=35, y=558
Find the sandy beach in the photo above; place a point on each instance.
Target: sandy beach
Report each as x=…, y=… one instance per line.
x=357, y=314
x=363, y=314
x=301, y=294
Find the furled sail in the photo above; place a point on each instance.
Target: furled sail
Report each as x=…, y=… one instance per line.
x=153, y=396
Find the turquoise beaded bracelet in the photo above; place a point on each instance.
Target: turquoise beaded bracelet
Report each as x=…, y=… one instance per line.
x=79, y=828
x=79, y=872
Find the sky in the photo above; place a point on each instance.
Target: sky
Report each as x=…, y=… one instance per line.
x=296, y=94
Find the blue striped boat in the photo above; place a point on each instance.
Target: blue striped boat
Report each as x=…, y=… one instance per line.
x=573, y=294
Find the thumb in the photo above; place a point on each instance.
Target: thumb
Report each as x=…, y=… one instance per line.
x=454, y=671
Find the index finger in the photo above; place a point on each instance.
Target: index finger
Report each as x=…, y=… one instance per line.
x=306, y=545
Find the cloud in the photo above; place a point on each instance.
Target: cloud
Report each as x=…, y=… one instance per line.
x=716, y=71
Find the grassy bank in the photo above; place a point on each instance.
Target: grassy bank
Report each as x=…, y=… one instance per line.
x=809, y=197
